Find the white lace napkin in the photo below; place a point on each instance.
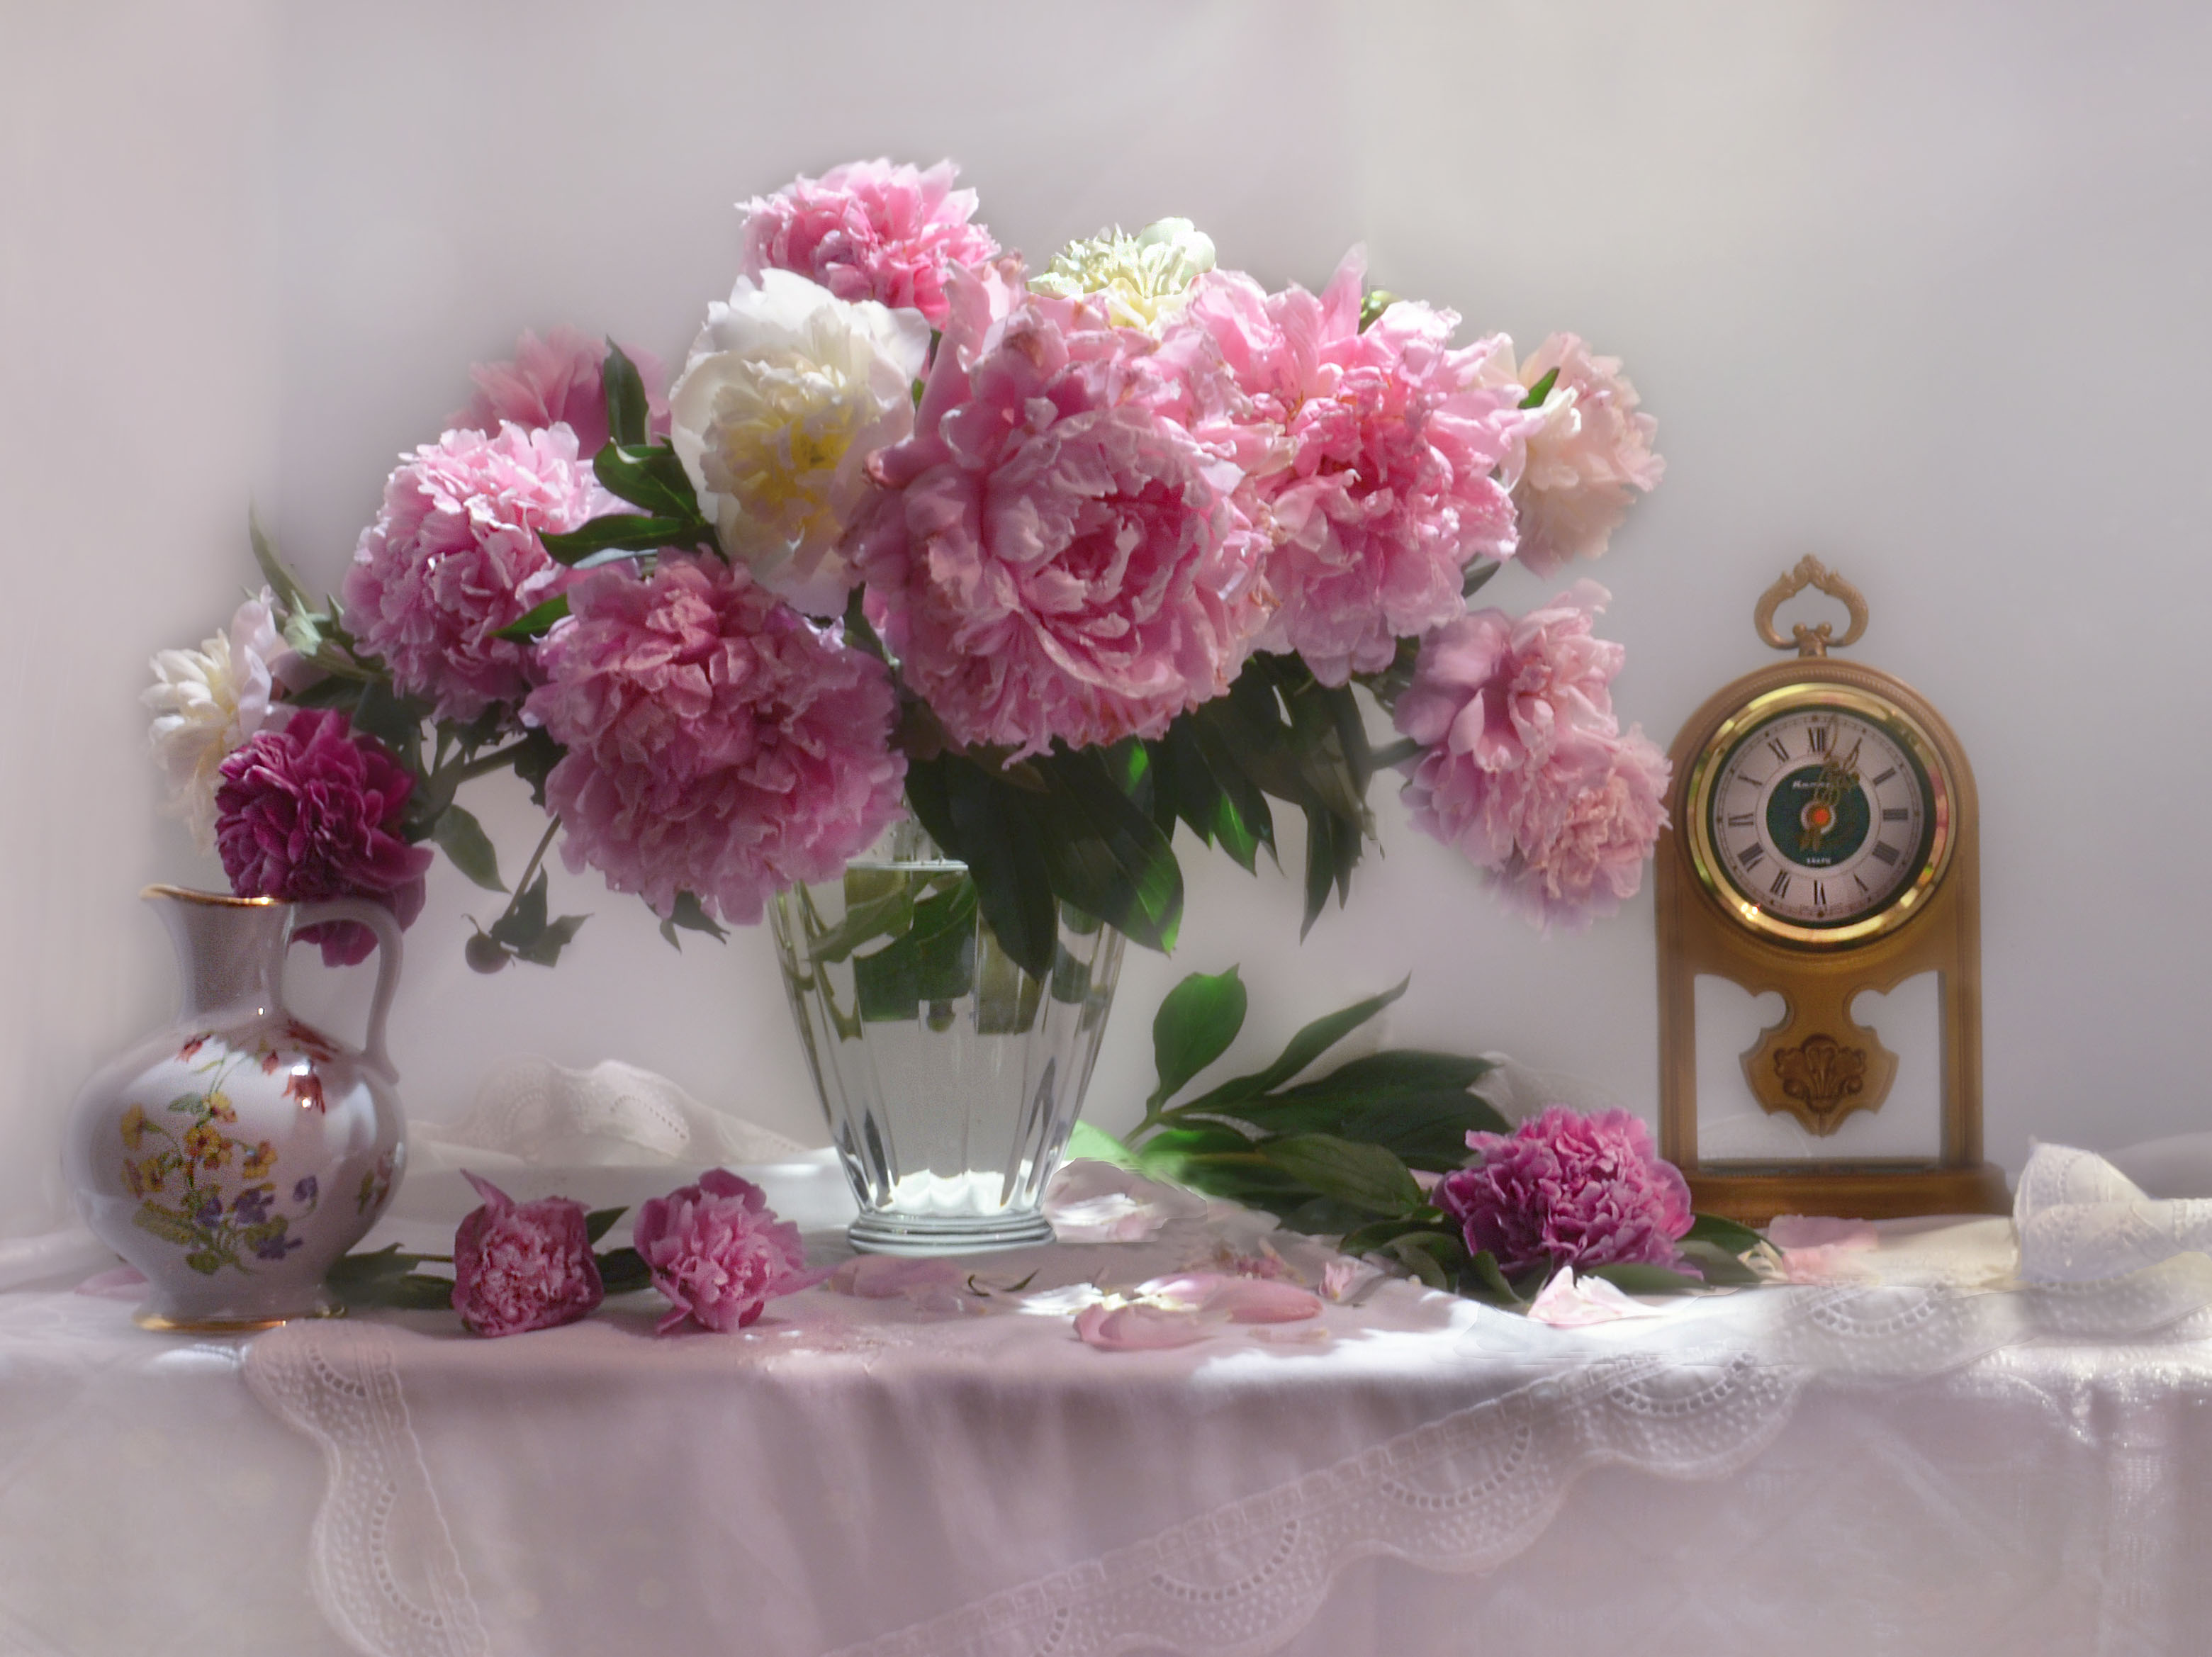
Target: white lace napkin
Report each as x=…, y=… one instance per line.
x=612, y=1116
x=2082, y=1220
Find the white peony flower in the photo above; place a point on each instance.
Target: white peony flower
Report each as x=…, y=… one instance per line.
x=788, y=391
x=1145, y=279
x=206, y=702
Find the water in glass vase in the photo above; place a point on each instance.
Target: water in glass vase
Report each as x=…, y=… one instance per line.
x=950, y=1076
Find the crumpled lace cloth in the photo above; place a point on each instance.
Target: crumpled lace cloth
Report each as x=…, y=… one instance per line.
x=1949, y=1460
x=2080, y=1220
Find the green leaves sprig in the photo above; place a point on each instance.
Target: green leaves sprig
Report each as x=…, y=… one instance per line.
x=631, y=466
x=1335, y=1154
x=1331, y=1155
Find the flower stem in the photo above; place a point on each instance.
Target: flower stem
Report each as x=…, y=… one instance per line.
x=529, y=873
x=484, y=763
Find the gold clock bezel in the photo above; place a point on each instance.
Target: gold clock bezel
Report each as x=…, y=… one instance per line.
x=1909, y=902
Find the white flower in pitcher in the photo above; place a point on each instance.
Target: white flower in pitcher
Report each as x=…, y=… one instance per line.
x=1143, y=280
x=788, y=391
x=208, y=701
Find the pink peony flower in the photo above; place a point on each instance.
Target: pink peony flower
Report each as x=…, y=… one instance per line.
x=870, y=230
x=1567, y=1189
x=1052, y=553
x=557, y=381
x=453, y=556
x=311, y=809
x=717, y=743
x=717, y=1250
x=1526, y=771
x=1394, y=459
x=1589, y=448
x=519, y=1266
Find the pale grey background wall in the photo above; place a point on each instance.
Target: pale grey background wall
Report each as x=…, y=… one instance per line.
x=1918, y=287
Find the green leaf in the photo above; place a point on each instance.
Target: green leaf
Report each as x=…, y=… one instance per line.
x=691, y=915
x=1435, y=1257
x=1727, y=1235
x=1323, y=858
x=1376, y=1234
x=1099, y=1146
x=628, y=413
x=1308, y=1044
x=1167, y=1154
x=536, y=622
x=1541, y=389
x=462, y=839
x=601, y=1221
x=285, y=585
x=1721, y=1268
x=621, y=531
x=1105, y=854
x=650, y=476
x=535, y=756
x=1366, y=1177
x=1636, y=1280
x=1483, y=1279
x=525, y=918
x=988, y=825
x=1397, y=1070
x=1372, y=304
x=623, y=1272
x=1422, y=1130
x=1197, y=1020
x=544, y=949
x=1477, y=575
x=394, y=721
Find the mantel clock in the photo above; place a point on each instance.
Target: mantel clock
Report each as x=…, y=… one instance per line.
x=1823, y=844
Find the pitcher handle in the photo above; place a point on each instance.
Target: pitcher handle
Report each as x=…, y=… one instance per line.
x=378, y=919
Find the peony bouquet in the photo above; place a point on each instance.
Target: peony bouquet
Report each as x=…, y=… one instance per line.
x=1052, y=561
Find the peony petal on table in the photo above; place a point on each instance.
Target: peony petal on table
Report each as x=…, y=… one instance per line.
x=1140, y=1328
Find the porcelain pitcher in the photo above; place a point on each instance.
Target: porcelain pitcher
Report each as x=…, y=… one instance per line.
x=236, y=1155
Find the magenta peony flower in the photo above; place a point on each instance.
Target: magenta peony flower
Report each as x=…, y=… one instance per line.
x=717, y=1250
x=1394, y=464
x=519, y=1266
x=870, y=230
x=717, y=743
x=454, y=556
x=311, y=809
x=1526, y=771
x=1053, y=554
x=1567, y=1189
x=556, y=381
x=1589, y=448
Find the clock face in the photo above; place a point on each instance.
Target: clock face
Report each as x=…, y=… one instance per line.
x=1819, y=815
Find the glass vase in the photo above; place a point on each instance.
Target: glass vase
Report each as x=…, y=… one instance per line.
x=950, y=1076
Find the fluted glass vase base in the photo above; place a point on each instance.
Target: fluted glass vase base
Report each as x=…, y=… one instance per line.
x=893, y=1233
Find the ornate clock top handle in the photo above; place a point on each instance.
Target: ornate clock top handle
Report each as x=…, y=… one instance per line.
x=1810, y=640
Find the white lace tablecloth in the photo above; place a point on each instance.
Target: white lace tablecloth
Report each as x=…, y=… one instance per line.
x=1978, y=1467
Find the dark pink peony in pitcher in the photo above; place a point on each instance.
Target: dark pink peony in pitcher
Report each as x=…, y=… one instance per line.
x=311, y=809
x=718, y=1252
x=1569, y=1189
x=519, y=1266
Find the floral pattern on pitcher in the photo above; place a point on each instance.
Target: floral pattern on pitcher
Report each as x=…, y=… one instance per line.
x=376, y=1183
x=171, y=1167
